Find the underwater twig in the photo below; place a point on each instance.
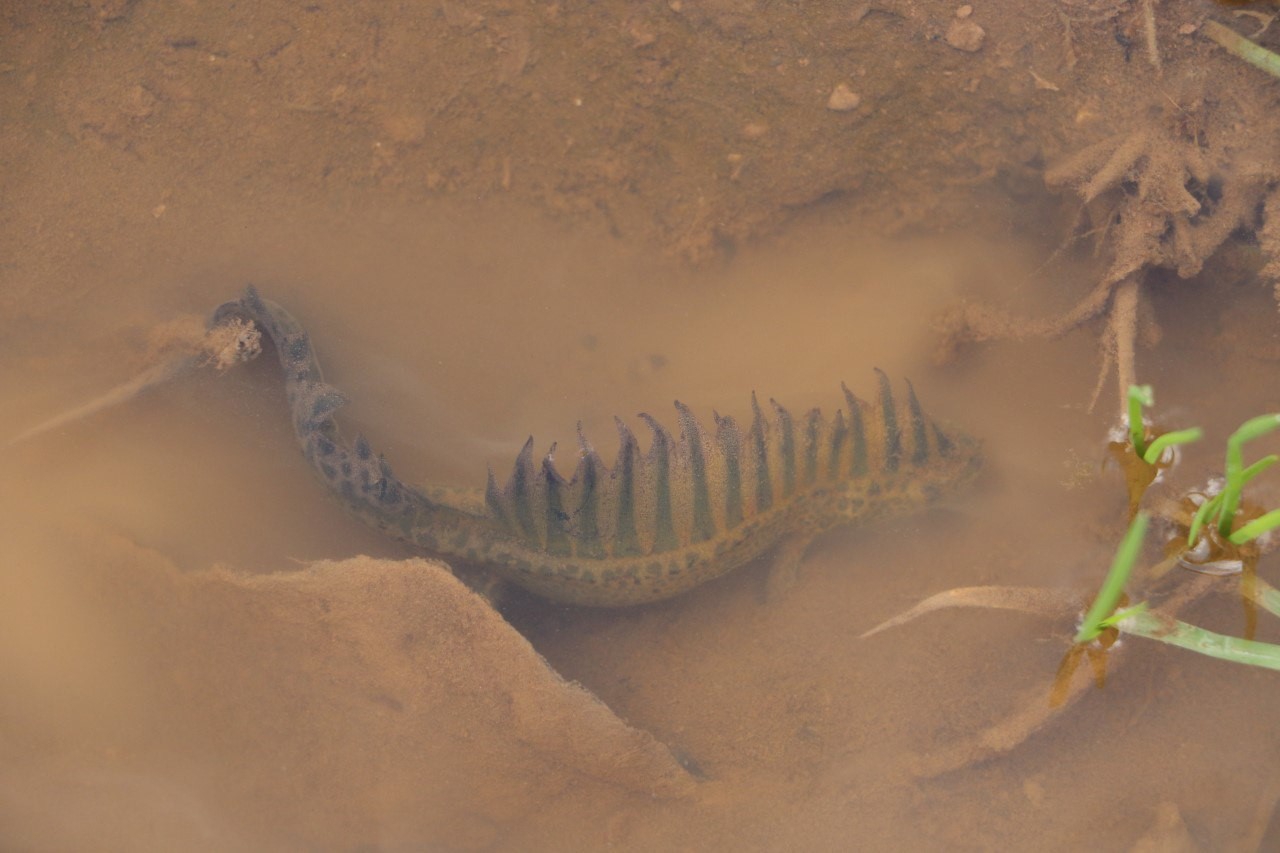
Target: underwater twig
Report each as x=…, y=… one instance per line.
x=1233, y=42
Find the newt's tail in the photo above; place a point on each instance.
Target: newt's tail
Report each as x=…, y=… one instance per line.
x=361, y=479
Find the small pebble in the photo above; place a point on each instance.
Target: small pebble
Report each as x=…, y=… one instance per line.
x=966, y=35
x=964, y=11
x=754, y=130
x=1187, y=29
x=404, y=128
x=843, y=99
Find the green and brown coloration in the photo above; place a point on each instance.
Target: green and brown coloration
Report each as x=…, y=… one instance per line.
x=656, y=523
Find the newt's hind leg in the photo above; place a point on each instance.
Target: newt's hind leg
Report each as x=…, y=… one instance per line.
x=784, y=567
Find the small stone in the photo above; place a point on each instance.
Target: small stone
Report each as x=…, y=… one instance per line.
x=754, y=130
x=964, y=11
x=1187, y=29
x=965, y=34
x=642, y=34
x=404, y=128
x=843, y=99
x=138, y=103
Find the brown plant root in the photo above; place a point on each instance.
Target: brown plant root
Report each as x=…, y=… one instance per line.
x=1269, y=239
x=1086, y=664
x=1051, y=603
x=1165, y=194
x=176, y=349
x=1040, y=705
x=1128, y=319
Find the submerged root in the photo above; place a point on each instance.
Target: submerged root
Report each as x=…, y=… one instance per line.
x=972, y=323
x=1042, y=704
x=1165, y=194
x=1119, y=301
x=1052, y=603
x=1119, y=340
x=178, y=351
x=1269, y=239
x=1034, y=710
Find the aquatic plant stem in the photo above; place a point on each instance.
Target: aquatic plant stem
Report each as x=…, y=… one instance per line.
x=1157, y=447
x=1249, y=430
x=1264, y=595
x=1139, y=396
x=1255, y=528
x=1255, y=55
x=1143, y=623
x=1123, y=329
x=1113, y=585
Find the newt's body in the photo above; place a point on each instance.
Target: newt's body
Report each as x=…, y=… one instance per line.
x=657, y=523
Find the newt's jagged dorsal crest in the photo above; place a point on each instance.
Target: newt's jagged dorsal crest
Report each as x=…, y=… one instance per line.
x=657, y=522
x=688, y=491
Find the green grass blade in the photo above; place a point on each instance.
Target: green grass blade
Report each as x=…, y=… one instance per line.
x=1255, y=428
x=1254, y=54
x=1264, y=595
x=1157, y=448
x=1120, y=615
x=1208, y=508
x=1139, y=396
x=1249, y=652
x=1257, y=527
x=1258, y=467
x=1113, y=585
x=1248, y=431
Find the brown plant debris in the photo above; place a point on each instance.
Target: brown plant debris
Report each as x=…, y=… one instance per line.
x=174, y=351
x=1164, y=193
x=1039, y=705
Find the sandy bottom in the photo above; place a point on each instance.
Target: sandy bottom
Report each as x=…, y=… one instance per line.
x=184, y=670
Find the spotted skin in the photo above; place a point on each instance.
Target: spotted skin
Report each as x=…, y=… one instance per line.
x=656, y=523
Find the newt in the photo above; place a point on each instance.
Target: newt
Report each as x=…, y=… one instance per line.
x=656, y=523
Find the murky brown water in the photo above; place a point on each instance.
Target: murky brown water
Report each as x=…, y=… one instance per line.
x=152, y=701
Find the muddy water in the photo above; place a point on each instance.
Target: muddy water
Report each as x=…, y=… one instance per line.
x=456, y=333
x=151, y=700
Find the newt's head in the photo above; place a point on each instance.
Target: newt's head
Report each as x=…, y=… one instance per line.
x=955, y=463
x=911, y=460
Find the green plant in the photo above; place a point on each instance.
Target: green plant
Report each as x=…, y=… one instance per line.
x=1221, y=508
x=1140, y=458
x=1139, y=621
x=1104, y=604
x=1254, y=54
x=1141, y=396
x=1219, y=512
